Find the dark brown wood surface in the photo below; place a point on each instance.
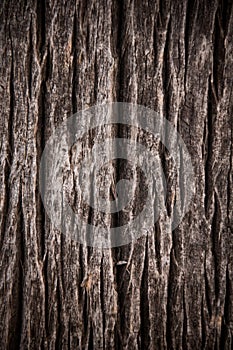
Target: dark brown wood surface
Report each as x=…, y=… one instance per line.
x=175, y=57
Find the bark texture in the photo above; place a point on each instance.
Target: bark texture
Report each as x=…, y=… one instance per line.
x=176, y=290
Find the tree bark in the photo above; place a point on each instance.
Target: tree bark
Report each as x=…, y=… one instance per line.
x=175, y=57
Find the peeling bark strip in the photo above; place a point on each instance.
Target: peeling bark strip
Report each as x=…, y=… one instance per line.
x=166, y=290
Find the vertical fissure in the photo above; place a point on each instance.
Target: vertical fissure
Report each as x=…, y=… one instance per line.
x=225, y=330
x=166, y=72
x=119, y=45
x=30, y=60
x=203, y=325
x=169, y=335
x=18, y=292
x=207, y=291
x=41, y=39
x=222, y=17
x=91, y=339
x=209, y=141
x=58, y=341
x=187, y=31
x=41, y=123
x=144, y=303
x=216, y=248
x=10, y=147
x=120, y=89
x=74, y=53
x=157, y=238
x=182, y=181
x=102, y=294
x=41, y=27
x=96, y=80
x=230, y=172
x=185, y=322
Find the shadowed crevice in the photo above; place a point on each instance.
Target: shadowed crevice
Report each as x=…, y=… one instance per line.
x=58, y=342
x=102, y=295
x=209, y=143
x=144, y=304
x=41, y=135
x=10, y=147
x=216, y=244
x=16, y=331
x=187, y=32
x=185, y=322
x=226, y=336
x=74, y=68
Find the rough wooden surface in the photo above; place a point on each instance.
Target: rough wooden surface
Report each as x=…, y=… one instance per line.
x=58, y=57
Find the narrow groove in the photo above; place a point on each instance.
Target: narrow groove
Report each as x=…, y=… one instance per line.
x=96, y=80
x=119, y=45
x=12, y=104
x=163, y=155
x=225, y=331
x=10, y=148
x=122, y=283
x=187, y=31
x=169, y=335
x=158, y=246
x=45, y=277
x=120, y=88
x=61, y=259
x=166, y=73
x=209, y=138
x=155, y=43
x=81, y=272
x=182, y=181
x=74, y=52
x=185, y=319
x=91, y=340
x=144, y=304
x=204, y=141
x=85, y=312
x=230, y=172
x=216, y=249
x=69, y=336
x=203, y=326
x=41, y=123
x=41, y=27
x=121, y=287
x=218, y=56
x=58, y=342
x=19, y=290
x=40, y=144
x=207, y=291
x=161, y=8
x=30, y=61
x=102, y=298
x=118, y=18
